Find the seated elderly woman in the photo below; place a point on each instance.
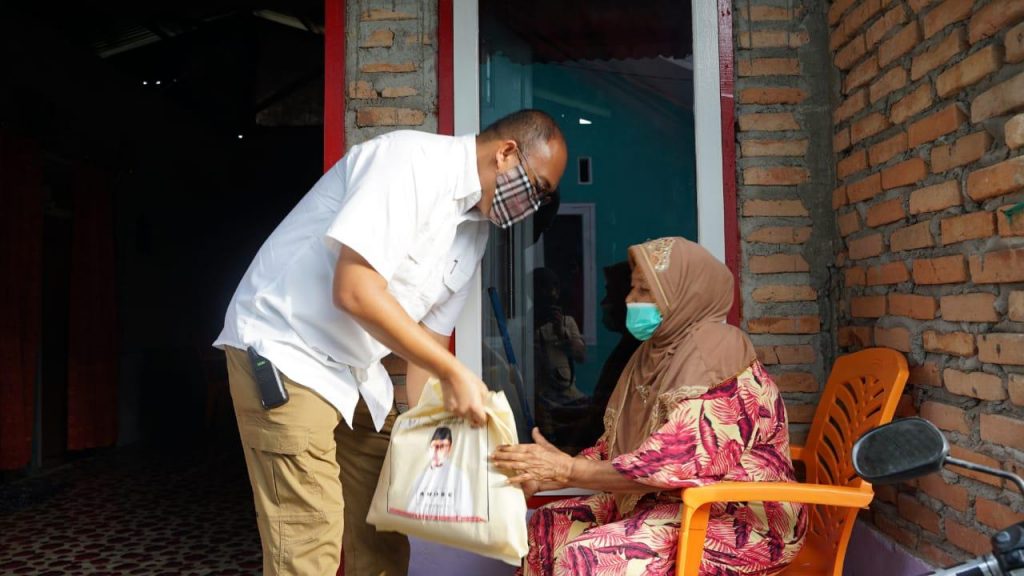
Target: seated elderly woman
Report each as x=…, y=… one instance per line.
x=692, y=407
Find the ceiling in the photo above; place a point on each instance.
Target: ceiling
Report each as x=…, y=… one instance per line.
x=565, y=30
x=112, y=27
x=233, y=62
x=240, y=62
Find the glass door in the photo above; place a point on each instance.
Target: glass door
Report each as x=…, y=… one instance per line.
x=619, y=81
x=506, y=86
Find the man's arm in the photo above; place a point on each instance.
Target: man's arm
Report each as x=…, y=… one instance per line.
x=362, y=292
x=576, y=343
x=416, y=377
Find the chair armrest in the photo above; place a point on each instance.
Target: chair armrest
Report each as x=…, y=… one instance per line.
x=567, y=492
x=796, y=452
x=779, y=492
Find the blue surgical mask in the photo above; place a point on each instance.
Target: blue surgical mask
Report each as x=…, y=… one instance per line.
x=642, y=319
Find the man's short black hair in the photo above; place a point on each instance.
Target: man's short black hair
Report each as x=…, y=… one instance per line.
x=527, y=127
x=442, y=433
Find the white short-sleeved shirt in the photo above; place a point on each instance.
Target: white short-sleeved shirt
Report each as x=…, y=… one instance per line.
x=405, y=201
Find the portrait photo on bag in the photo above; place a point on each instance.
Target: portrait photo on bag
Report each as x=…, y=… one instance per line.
x=442, y=490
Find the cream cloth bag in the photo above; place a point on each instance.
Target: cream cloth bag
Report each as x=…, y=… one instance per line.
x=437, y=484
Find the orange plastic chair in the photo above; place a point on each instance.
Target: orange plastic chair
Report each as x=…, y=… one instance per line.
x=862, y=393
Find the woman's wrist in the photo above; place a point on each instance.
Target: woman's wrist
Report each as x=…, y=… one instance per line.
x=571, y=469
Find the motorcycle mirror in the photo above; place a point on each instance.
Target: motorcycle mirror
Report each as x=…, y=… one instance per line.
x=899, y=451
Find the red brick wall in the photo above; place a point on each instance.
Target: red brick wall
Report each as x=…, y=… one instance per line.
x=391, y=58
x=785, y=178
x=928, y=154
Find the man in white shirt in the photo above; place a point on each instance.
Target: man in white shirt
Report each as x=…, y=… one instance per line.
x=375, y=259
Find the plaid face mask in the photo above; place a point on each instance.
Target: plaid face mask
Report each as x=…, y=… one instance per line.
x=514, y=197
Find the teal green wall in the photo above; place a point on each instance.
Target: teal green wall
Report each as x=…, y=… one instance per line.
x=644, y=175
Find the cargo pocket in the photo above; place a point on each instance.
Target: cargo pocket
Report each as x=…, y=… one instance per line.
x=291, y=498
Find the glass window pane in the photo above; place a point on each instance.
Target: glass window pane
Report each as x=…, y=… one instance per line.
x=617, y=77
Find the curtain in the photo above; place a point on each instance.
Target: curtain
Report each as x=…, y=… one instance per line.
x=21, y=238
x=92, y=329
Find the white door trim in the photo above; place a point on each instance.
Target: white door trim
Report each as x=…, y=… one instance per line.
x=707, y=118
x=469, y=334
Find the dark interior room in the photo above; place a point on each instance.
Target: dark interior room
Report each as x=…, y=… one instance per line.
x=146, y=150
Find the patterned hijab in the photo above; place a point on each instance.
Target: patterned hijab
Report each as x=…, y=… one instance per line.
x=691, y=352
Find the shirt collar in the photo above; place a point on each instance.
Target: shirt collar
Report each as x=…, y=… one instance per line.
x=469, y=190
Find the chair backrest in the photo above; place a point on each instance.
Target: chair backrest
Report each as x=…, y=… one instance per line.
x=862, y=392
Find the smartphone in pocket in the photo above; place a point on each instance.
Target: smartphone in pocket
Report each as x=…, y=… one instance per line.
x=268, y=380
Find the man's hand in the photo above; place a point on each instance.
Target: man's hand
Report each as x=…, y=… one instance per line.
x=558, y=317
x=464, y=395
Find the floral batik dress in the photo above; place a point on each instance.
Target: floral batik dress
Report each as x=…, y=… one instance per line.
x=736, y=431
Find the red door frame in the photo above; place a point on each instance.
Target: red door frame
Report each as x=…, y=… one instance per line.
x=334, y=113
x=334, y=76
x=334, y=81
x=446, y=80
x=730, y=202
x=334, y=101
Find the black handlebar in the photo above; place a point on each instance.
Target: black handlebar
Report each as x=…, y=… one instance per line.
x=1006, y=559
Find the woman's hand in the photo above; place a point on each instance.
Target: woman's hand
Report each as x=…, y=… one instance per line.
x=530, y=487
x=540, y=463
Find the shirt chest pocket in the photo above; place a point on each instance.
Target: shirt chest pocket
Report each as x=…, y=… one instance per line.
x=420, y=278
x=458, y=272
x=429, y=257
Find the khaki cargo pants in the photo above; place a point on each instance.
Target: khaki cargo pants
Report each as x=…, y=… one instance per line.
x=301, y=458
